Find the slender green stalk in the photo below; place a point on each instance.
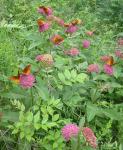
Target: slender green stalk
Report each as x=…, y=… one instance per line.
x=78, y=143
x=32, y=98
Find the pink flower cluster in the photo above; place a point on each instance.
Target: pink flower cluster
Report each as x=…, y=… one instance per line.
x=93, y=68
x=119, y=53
x=71, y=29
x=44, y=27
x=69, y=131
x=86, y=43
x=47, y=11
x=27, y=81
x=90, y=137
x=72, y=130
x=72, y=52
x=108, y=69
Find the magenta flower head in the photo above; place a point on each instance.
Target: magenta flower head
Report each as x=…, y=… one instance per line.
x=43, y=26
x=119, y=53
x=86, y=43
x=69, y=131
x=27, y=81
x=46, y=11
x=71, y=29
x=93, y=68
x=90, y=137
x=108, y=69
x=72, y=52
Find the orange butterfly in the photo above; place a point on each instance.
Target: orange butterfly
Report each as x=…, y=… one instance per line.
x=15, y=79
x=67, y=24
x=45, y=9
x=76, y=22
x=26, y=71
x=40, y=22
x=57, y=39
x=110, y=61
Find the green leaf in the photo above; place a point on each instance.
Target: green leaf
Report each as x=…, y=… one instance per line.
x=55, y=117
x=92, y=110
x=29, y=116
x=61, y=77
x=22, y=135
x=115, y=85
x=103, y=77
x=81, y=77
x=55, y=145
x=82, y=122
x=121, y=146
x=50, y=110
x=37, y=126
x=37, y=117
x=22, y=107
x=45, y=118
x=34, y=44
x=44, y=127
x=73, y=74
x=52, y=124
x=43, y=93
x=15, y=131
x=67, y=74
x=28, y=137
x=68, y=83
x=113, y=114
x=84, y=65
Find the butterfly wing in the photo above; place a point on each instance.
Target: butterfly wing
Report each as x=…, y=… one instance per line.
x=45, y=9
x=27, y=70
x=40, y=22
x=110, y=61
x=76, y=22
x=15, y=79
x=58, y=40
x=67, y=25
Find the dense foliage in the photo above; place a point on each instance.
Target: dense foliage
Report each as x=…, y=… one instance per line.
x=61, y=75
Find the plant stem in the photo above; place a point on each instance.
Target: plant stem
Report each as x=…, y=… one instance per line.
x=78, y=143
x=85, y=113
x=32, y=99
x=48, y=82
